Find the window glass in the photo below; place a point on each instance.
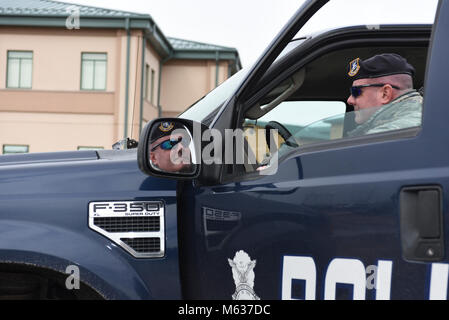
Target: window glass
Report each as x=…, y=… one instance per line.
x=20, y=67
x=20, y=54
x=100, y=75
x=204, y=107
x=94, y=56
x=94, y=71
x=152, y=86
x=11, y=149
x=325, y=79
x=25, y=73
x=314, y=104
x=13, y=73
x=295, y=121
x=325, y=129
x=87, y=75
x=90, y=148
x=296, y=115
x=147, y=78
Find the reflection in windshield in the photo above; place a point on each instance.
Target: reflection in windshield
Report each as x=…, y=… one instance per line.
x=202, y=109
x=209, y=104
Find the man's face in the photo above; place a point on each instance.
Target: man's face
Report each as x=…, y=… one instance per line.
x=170, y=160
x=366, y=103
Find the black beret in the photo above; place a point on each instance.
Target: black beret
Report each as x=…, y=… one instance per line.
x=162, y=129
x=381, y=65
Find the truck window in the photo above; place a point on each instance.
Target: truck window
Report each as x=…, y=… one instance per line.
x=305, y=123
x=323, y=76
x=312, y=105
x=297, y=115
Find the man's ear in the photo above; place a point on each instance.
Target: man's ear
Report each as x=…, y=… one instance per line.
x=387, y=94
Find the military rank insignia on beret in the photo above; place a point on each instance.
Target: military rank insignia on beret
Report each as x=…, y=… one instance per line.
x=381, y=65
x=354, y=67
x=163, y=129
x=166, y=126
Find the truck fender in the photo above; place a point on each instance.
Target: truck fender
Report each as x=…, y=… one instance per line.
x=101, y=264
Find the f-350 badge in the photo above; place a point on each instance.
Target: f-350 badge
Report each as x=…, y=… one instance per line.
x=243, y=274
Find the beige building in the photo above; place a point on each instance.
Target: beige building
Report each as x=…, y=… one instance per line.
x=75, y=77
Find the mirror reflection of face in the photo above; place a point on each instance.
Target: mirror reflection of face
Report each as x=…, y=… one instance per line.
x=171, y=154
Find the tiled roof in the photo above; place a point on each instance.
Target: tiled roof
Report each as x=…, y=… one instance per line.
x=181, y=44
x=56, y=8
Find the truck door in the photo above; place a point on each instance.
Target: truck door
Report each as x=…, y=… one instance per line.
x=346, y=218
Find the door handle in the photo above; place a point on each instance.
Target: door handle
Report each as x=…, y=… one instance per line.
x=421, y=219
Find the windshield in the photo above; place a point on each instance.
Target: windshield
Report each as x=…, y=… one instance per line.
x=211, y=102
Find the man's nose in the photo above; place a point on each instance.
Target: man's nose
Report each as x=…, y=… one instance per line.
x=351, y=100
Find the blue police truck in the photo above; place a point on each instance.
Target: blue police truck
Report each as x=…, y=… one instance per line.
x=306, y=211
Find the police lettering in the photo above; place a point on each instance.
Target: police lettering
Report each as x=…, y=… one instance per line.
x=352, y=272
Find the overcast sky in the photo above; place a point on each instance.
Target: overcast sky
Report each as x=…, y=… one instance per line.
x=247, y=25
x=250, y=25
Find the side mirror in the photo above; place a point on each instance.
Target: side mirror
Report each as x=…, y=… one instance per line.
x=167, y=149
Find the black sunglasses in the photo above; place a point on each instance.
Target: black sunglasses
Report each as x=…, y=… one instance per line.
x=168, y=144
x=356, y=91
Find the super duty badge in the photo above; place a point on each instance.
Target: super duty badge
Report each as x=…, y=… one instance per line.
x=136, y=226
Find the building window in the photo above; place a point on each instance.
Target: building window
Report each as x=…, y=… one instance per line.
x=11, y=149
x=20, y=67
x=152, y=87
x=90, y=148
x=147, y=79
x=93, y=71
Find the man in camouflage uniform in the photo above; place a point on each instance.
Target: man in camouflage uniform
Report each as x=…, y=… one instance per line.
x=382, y=94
